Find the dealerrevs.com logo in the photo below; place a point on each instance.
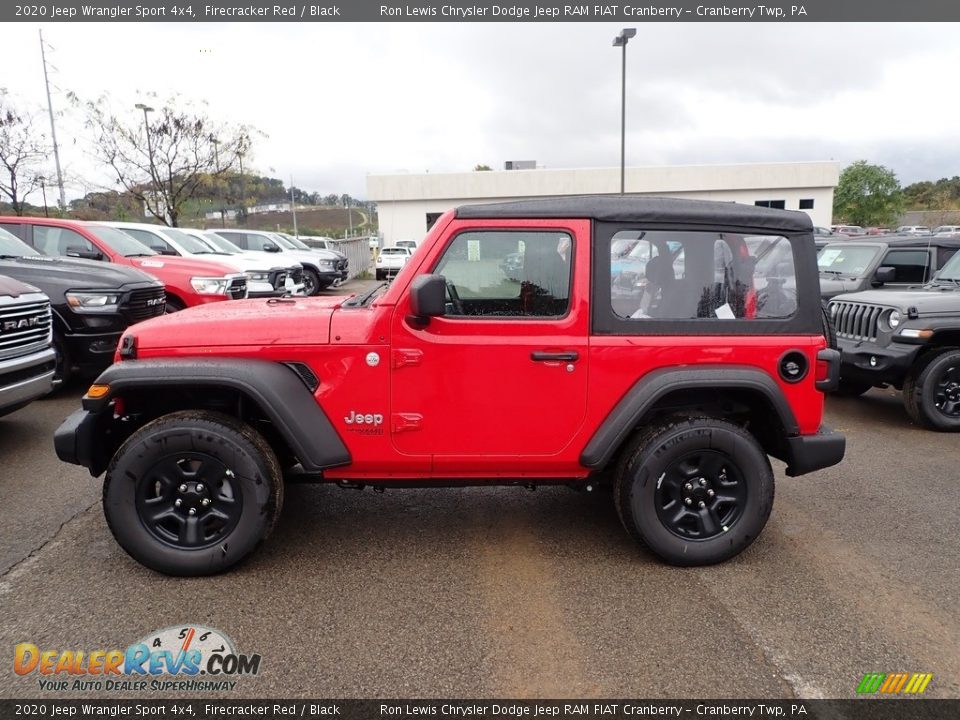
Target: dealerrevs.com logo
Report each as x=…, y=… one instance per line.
x=187, y=658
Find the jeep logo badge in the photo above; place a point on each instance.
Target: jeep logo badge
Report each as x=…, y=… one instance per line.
x=355, y=418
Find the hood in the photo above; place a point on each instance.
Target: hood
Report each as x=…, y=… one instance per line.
x=196, y=266
x=72, y=273
x=14, y=288
x=832, y=286
x=300, y=321
x=942, y=300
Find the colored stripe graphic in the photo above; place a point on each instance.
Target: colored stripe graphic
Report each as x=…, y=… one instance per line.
x=894, y=683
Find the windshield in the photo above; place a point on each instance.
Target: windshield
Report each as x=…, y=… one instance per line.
x=189, y=243
x=846, y=259
x=119, y=241
x=282, y=241
x=220, y=243
x=950, y=271
x=10, y=244
x=298, y=244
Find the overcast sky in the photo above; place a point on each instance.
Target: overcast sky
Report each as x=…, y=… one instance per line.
x=341, y=101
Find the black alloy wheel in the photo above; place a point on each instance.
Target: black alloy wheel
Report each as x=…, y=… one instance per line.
x=701, y=495
x=190, y=500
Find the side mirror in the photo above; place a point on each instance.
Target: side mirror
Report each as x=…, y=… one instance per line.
x=83, y=253
x=428, y=298
x=884, y=274
x=271, y=248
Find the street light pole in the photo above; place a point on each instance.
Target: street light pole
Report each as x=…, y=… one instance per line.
x=621, y=41
x=216, y=164
x=146, y=125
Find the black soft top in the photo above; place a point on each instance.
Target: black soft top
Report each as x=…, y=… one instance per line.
x=632, y=209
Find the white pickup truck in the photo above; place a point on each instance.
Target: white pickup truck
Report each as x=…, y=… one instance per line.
x=390, y=260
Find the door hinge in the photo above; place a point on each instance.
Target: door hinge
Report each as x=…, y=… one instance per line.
x=403, y=422
x=406, y=356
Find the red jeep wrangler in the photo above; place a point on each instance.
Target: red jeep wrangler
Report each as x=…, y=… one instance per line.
x=630, y=343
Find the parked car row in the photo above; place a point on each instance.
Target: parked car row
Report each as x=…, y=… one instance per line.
x=95, y=279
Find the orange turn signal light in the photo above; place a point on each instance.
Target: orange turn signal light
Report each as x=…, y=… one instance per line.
x=97, y=391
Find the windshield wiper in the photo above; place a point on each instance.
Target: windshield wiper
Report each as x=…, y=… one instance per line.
x=365, y=298
x=140, y=255
x=12, y=257
x=838, y=273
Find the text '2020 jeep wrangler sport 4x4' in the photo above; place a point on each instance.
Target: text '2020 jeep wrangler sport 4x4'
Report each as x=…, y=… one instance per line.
x=673, y=389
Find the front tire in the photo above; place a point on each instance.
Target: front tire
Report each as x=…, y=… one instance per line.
x=64, y=365
x=311, y=282
x=931, y=392
x=192, y=493
x=696, y=491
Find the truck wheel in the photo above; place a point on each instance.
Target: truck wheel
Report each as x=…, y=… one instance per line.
x=311, y=282
x=64, y=368
x=696, y=491
x=849, y=388
x=829, y=329
x=173, y=305
x=931, y=392
x=192, y=493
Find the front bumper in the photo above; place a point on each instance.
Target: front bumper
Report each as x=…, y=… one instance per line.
x=91, y=353
x=74, y=438
x=26, y=378
x=806, y=453
x=875, y=364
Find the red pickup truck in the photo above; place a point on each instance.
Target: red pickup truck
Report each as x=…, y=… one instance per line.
x=188, y=282
x=670, y=389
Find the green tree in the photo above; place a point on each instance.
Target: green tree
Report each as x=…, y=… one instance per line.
x=23, y=151
x=481, y=168
x=868, y=195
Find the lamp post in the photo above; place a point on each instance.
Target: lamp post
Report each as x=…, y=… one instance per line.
x=216, y=165
x=146, y=125
x=621, y=41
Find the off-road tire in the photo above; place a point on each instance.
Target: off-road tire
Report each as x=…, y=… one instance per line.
x=643, y=466
x=64, y=366
x=224, y=440
x=919, y=389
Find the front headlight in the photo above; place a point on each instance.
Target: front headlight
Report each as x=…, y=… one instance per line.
x=210, y=285
x=258, y=276
x=92, y=302
x=328, y=264
x=893, y=319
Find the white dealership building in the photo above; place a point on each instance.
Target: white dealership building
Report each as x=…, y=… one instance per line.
x=409, y=203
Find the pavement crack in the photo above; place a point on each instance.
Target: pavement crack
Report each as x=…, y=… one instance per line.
x=37, y=550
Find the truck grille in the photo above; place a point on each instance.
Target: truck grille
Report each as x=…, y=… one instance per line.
x=855, y=321
x=24, y=328
x=237, y=289
x=145, y=304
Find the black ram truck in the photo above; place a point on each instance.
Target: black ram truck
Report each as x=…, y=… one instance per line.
x=92, y=302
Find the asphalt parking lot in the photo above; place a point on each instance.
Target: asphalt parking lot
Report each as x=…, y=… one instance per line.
x=505, y=592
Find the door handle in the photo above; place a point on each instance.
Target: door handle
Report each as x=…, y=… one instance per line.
x=566, y=356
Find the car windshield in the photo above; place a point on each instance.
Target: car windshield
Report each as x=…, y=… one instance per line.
x=189, y=243
x=846, y=259
x=281, y=241
x=13, y=246
x=950, y=271
x=394, y=251
x=298, y=244
x=218, y=242
x=119, y=241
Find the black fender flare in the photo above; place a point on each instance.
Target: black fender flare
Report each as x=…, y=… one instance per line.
x=646, y=391
x=276, y=388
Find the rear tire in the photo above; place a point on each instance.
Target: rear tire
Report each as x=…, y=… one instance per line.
x=664, y=467
x=192, y=493
x=931, y=391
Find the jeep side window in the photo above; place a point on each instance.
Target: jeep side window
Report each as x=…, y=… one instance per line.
x=911, y=265
x=497, y=273
x=681, y=275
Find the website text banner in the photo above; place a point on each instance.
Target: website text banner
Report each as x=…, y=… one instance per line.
x=912, y=709
x=477, y=11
